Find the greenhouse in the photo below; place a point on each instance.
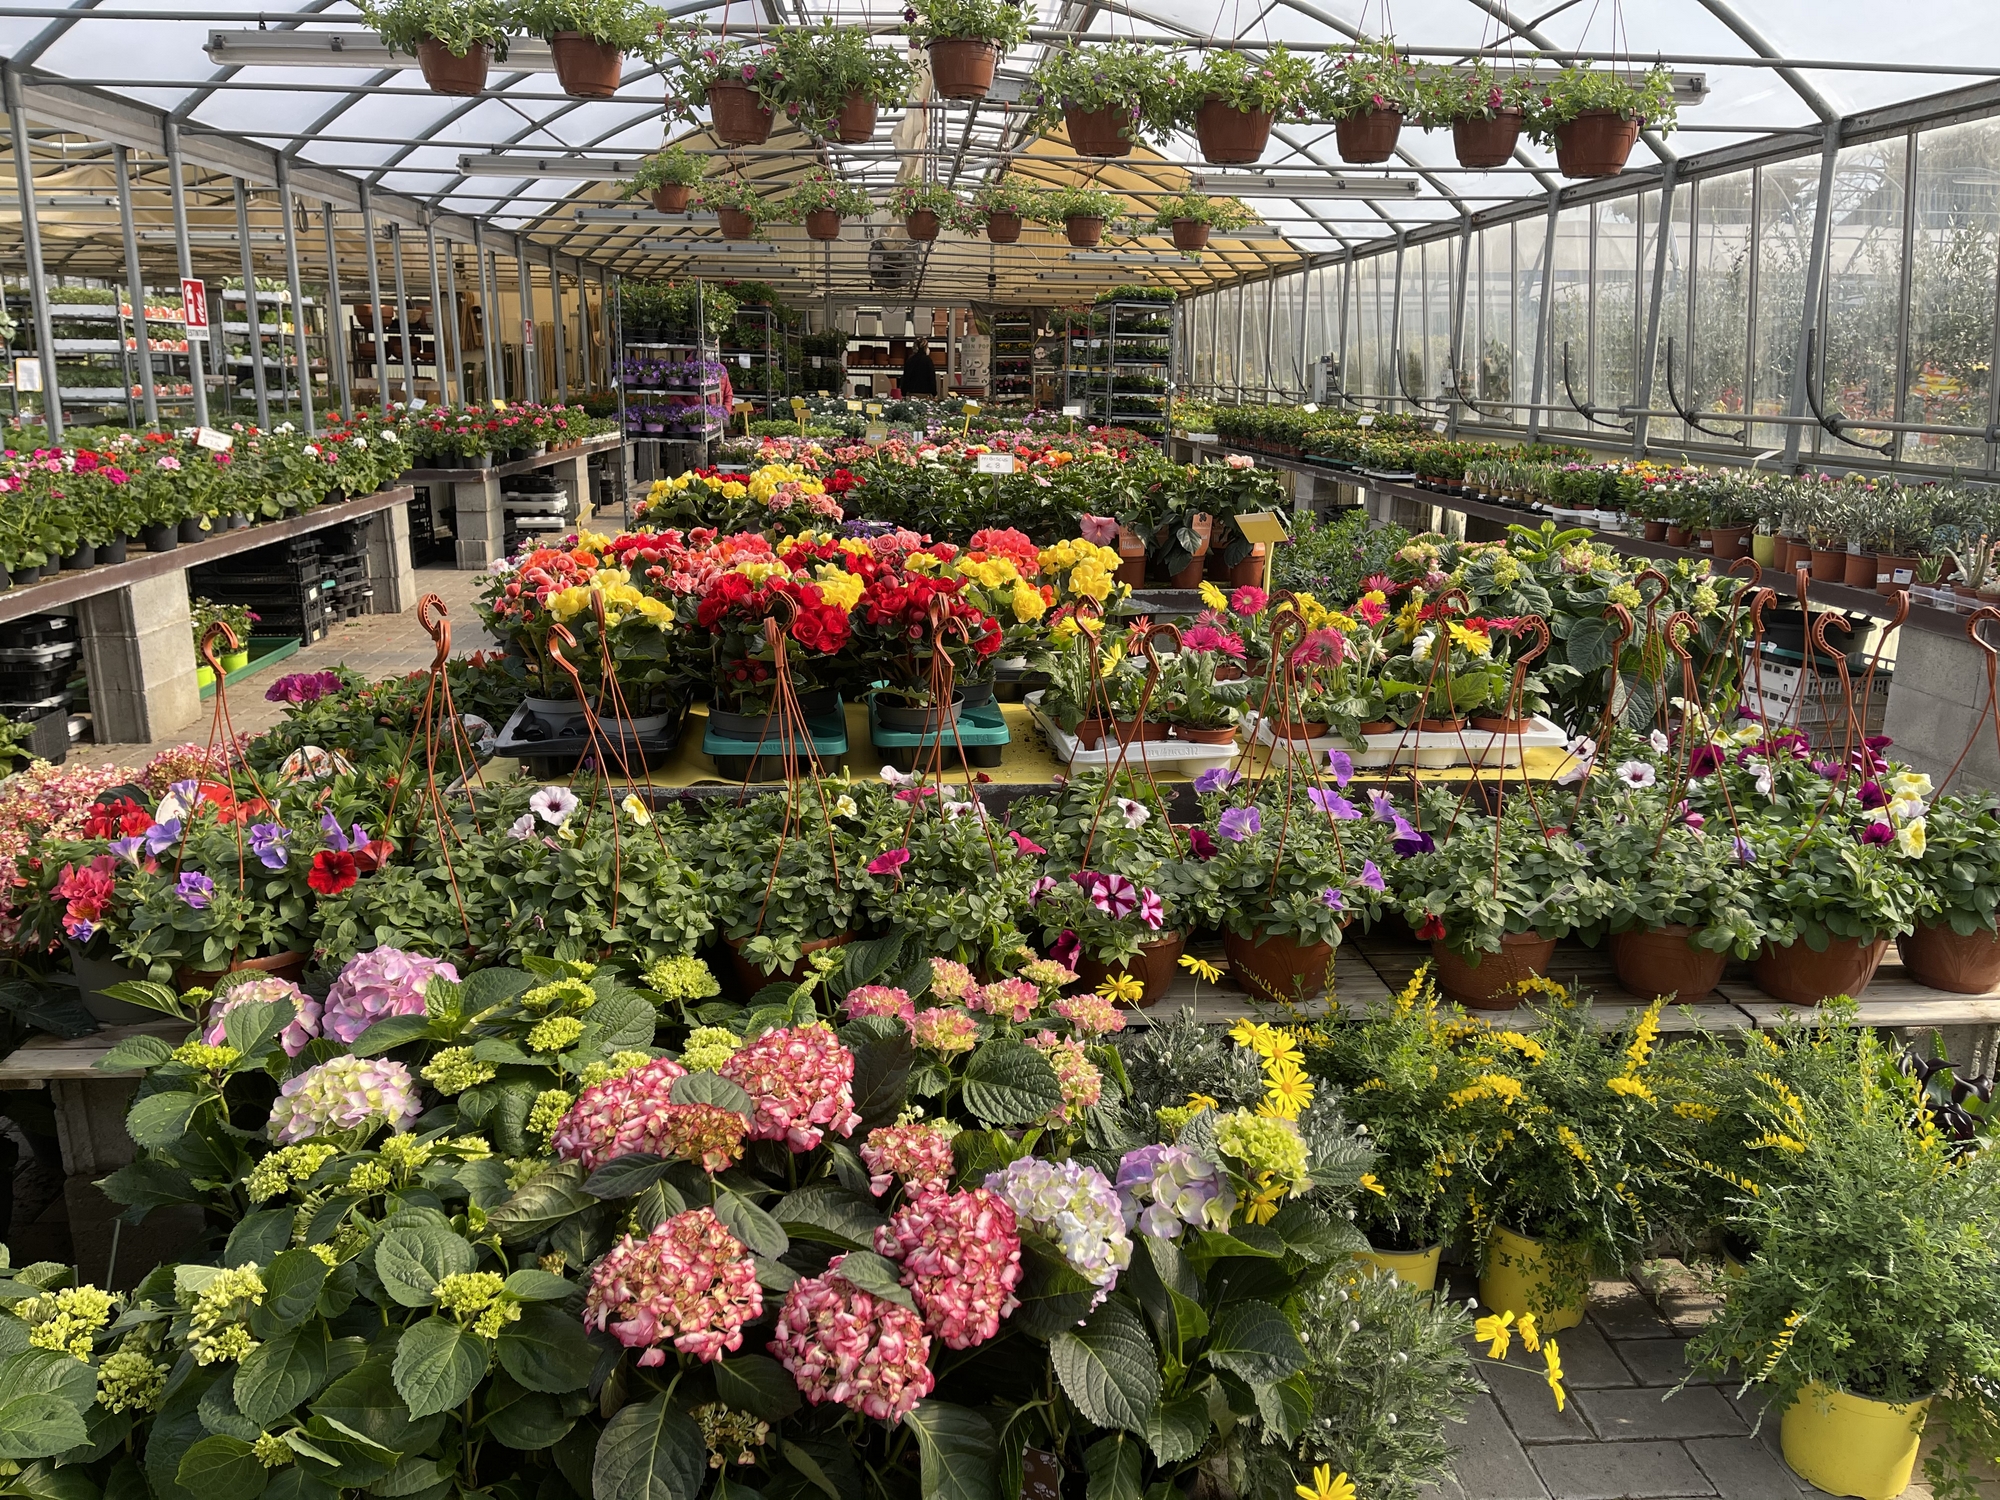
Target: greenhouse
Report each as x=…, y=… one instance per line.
x=952, y=751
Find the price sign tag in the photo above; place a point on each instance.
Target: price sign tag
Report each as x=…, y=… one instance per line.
x=971, y=408
x=528, y=332
x=874, y=408
x=1366, y=419
x=498, y=404
x=1440, y=425
x=878, y=432
x=996, y=463
x=743, y=360
x=824, y=394
x=798, y=403
x=1310, y=407
x=854, y=406
x=27, y=374
x=1201, y=437
x=213, y=441
x=1074, y=409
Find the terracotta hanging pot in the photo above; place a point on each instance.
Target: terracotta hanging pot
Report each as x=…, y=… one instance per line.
x=1489, y=985
x=671, y=197
x=1483, y=144
x=445, y=73
x=736, y=115
x=585, y=68
x=1190, y=234
x=1368, y=138
x=1229, y=136
x=736, y=224
x=1083, y=230
x=1799, y=976
x=1661, y=961
x=1595, y=144
x=1094, y=132
x=1276, y=968
x=1003, y=229
x=1965, y=964
x=1153, y=966
x=856, y=123
x=823, y=224
x=922, y=225
x=962, y=67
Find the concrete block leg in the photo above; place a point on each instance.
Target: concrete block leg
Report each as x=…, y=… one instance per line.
x=390, y=565
x=138, y=649
x=1935, y=708
x=481, y=527
x=572, y=472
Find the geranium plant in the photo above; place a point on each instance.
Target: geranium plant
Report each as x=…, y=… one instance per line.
x=1278, y=83
x=1369, y=76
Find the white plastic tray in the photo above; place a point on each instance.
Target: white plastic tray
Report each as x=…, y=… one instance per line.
x=1432, y=751
x=1170, y=755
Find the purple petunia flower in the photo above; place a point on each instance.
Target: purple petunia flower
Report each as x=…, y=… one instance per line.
x=163, y=836
x=1342, y=765
x=195, y=889
x=1744, y=853
x=1371, y=876
x=1332, y=804
x=1216, y=779
x=1239, y=823
x=1878, y=833
x=1383, y=806
x=267, y=842
x=1333, y=899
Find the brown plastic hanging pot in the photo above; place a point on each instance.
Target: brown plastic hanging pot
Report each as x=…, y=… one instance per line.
x=1083, y=230
x=736, y=224
x=445, y=73
x=1489, y=985
x=922, y=225
x=1229, y=136
x=586, y=68
x=1003, y=229
x=1272, y=967
x=1483, y=144
x=1190, y=234
x=1368, y=138
x=1095, y=132
x=1965, y=964
x=1799, y=976
x=1596, y=143
x=1661, y=961
x=736, y=115
x=823, y=224
x=856, y=123
x=1153, y=966
x=962, y=67
x=671, y=197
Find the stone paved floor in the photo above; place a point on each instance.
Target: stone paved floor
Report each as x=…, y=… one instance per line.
x=1621, y=1437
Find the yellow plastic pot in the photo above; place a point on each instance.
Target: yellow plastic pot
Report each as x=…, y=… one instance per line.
x=1850, y=1445
x=1417, y=1269
x=1764, y=550
x=1516, y=1279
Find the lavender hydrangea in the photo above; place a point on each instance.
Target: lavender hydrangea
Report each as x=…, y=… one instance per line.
x=375, y=985
x=347, y=1093
x=1166, y=1189
x=302, y=1028
x=1074, y=1206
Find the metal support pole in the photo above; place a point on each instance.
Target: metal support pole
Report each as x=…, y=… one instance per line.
x=556, y=326
x=379, y=366
x=134, y=281
x=297, y=289
x=38, y=286
x=531, y=374
x=177, y=190
x=1906, y=284
x=336, y=327
x=402, y=312
x=583, y=325
x=253, y=315
x=1649, y=351
x=1457, y=348
x=1815, y=288
x=1542, y=321
x=1396, y=327
x=451, y=321
x=488, y=321
x=437, y=314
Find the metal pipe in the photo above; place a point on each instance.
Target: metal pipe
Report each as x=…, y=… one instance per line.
x=252, y=313
x=1906, y=283
x=298, y=292
x=531, y=372
x=403, y=313
x=336, y=326
x=134, y=281
x=38, y=286
x=451, y=325
x=177, y=192
x=1649, y=350
x=437, y=315
x=1458, y=317
x=1815, y=293
x=1542, y=316
x=556, y=326
x=379, y=365
x=486, y=318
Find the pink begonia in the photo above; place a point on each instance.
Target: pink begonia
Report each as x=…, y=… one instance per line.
x=920, y=1154
x=375, y=985
x=1082, y=1084
x=1013, y=999
x=879, y=1000
x=945, y=1032
x=800, y=1078
x=1091, y=1014
x=951, y=981
x=690, y=1281
x=845, y=1345
x=961, y=1259
x=302, y=1028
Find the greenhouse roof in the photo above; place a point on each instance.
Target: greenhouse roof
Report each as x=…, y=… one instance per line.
x=313, y=89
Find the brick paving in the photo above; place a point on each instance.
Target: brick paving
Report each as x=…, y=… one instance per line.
x=1622, y=1436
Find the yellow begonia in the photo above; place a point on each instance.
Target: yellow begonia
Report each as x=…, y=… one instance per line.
x=570, y=602
x=734, y=489
x=1027, y=603
x=1091, y=580
x=840, y=588
x=992, y=572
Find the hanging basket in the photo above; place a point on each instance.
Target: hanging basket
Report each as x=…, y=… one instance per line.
x=1230, y=136
x=1083, y=230
x=922, y=225
x=1003, y=229
x=823, y=224
x=736, y=224
x=672, y=197
x=446, y=73
x=1595, y=144
x=962, y=67
x=855, y=124
x=1095, y=132
x=1483, y=144
x=586, y=69
x=1368, y=138
x=736, y=115
x=1190, y=234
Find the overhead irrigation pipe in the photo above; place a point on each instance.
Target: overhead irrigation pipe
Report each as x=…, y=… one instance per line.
x=1834, y=422
x=1689, y=417
x=1585, y=409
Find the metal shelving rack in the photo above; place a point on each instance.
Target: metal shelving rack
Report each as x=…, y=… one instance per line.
x=118, y=355
x=242, y=385
x=1133, y=350
x=657, y=455
x=760, y=354
x=1013, y=358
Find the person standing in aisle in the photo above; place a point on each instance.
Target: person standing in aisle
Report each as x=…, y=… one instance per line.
x=919, y=371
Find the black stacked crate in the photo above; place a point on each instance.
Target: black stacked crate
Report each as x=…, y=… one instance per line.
x=39, y=661
x=301, y=587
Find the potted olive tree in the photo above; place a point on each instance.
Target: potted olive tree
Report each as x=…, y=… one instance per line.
x=590, y=38
x=1592, y=118
x=1108, y=96
x=666, y=179
x=822, y=200
x=453, y=41
x=965, y=39
x=1191, y=217
x=1231, y=100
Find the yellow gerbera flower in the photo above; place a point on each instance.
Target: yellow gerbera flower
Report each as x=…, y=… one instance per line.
x=1326, y=1485
x=1122, y=987
x=1496, y=1331
x=1555, y=1376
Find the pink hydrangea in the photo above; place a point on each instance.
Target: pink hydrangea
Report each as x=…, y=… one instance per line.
x=1091, y=1014
x=920, y=1154
x=1082, y=1084
x=346, y=1093
x=801, y=1079
x=945, y=1032
x=635, y=1112
x=845, y=1345
x=302, y=1028
x=879, y=1000
x=961, y=1259
x=690, y=1282
x=952, y=981
x=1013, y=999
x=375, y=985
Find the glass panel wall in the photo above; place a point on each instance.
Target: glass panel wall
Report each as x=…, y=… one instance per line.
x=1953, y=272
x=1859, y=337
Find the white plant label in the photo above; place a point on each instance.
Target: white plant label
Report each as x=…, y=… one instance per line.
x=213, y=441
x=1366, y=419
x=1074, y=409
x=996, y=463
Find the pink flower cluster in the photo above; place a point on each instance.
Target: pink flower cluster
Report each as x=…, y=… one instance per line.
x=920, y=1154
x=302, y=1028
x=635, y=1112
x=961, y=1259
x=1013, y=999
x=375, y=985
x=801, y=1079
x=1082, y=1084
x=879, y=1000
x=690, y=1281
x=842, y=1344
x=190, y=762
x=1091, y=1014
x=945, y=1032
x=951, y=981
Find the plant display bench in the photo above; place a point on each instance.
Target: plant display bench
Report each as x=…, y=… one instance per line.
x=475, y=494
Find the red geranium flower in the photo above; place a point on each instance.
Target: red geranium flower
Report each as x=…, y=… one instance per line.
x=332, y=872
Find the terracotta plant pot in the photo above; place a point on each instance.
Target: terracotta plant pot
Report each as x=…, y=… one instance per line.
x=1416, y=1269
x=1490, y=984
x=1595, y=144
x=1799, y=976
x=1129, y=730
x=1276, y=968
x=962, y=68
x=1299, y=729
x=1729, y=542
x=856, y=122
x=823, y=224
x=754, y=979
x=1366, y=139
x=446, y=74
x=1223, y=736
x=1484, y=144
x=736, y=115
x=736, y=224
x=1250, y=570
x=1083, y=230
x=922, y=225
x=1656, y=531
x=1153, y=966
x=1791, y=552
x=1517, y=1279
x=1678, y=535
x=586, y=69
x=1829, y=564
x=1887, y=566
x=1860, y=570
x=1852, y=1445
x=275, y=966
x=1230, y=136
x=1493, y=724
x=1440, y=726
x=1661, y=961
x=1190, y=234
x=1003, y=229
x=1094, y=132
x=1089, y=732
x=1945, y=960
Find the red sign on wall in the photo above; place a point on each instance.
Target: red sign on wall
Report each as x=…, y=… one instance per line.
x=194, y=303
